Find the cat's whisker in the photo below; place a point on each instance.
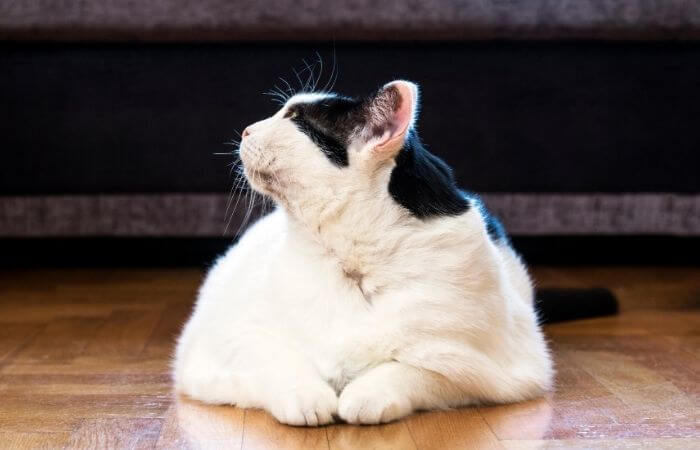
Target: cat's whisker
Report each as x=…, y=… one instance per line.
x=301, y=83
x=331, y=81
x=236, y=160
x=335, y=71
x=272, y=92
x=250, y=198
x=277, y=101
x=308, y=86
x=284, y=96
x=276, y=97
x=289, y=87
x=320, y=71
x=238, y=195
x=232, y=165
x=232, y=192
x=235, y=189
x=229, y=200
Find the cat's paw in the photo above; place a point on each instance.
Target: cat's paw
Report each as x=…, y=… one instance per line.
x=308, y=405
x=361, y=404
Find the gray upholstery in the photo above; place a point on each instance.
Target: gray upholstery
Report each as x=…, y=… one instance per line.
x=236, y=20
x=204, y=215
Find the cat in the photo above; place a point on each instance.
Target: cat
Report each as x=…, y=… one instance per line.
x=374, y=289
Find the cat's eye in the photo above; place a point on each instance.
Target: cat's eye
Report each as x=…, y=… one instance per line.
x=290, y=114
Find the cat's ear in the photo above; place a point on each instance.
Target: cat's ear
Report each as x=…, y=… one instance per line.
x=391, y=115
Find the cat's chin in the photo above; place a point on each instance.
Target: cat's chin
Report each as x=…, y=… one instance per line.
x=263, y=181
x=258, y=178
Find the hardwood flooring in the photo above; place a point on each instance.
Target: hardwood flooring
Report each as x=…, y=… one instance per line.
x=84, y=360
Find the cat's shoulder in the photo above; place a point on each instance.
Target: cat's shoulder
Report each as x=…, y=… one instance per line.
x=495, y=229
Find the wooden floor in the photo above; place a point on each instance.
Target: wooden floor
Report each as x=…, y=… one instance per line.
x=84, y=360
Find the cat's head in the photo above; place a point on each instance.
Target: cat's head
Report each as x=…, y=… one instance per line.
x=319, y=147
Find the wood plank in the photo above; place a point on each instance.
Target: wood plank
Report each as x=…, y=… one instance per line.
x=463, y=428
x=23, y=420
x=572, y=382
x=377, y=437
x=632, y=323
x=15, y=335
x=162, y=340
x=587, y=419
x=123, y=334
x=47, y=309
x=262, y=432
x=616, y=371
x=116, y=433
x=33, y=440
x=93, y=365
x=527, y=420
x=80, y=384
x=61, y=340
x=190, y=424
x=87, y=405
x=660, y=410
x=581, y=444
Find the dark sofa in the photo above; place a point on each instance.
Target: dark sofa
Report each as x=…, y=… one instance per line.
x=578, y=121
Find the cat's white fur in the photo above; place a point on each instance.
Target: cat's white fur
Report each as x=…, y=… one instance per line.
x=341, y=303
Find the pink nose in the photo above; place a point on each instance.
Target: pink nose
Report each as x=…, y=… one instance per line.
x=245, y=133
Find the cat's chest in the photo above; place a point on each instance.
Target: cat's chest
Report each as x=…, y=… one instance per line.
x=326, y=313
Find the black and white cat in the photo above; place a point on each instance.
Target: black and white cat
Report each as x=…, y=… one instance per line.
x=376, y=288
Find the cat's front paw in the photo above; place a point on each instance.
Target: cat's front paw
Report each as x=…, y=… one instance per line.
x=308, y=405
x=361, y=404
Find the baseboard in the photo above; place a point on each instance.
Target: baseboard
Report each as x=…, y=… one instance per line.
x=177, y=252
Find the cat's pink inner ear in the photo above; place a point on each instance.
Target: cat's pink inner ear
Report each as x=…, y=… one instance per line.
x=401, y=118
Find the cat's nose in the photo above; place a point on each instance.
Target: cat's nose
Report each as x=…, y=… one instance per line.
x=245, y=132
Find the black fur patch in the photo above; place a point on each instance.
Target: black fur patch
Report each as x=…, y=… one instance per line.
x=329, y=122
x=422, y=183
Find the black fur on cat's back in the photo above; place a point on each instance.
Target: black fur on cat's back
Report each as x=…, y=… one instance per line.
x=423, y=183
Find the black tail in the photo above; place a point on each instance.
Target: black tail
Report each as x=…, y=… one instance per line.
x=561, y=304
